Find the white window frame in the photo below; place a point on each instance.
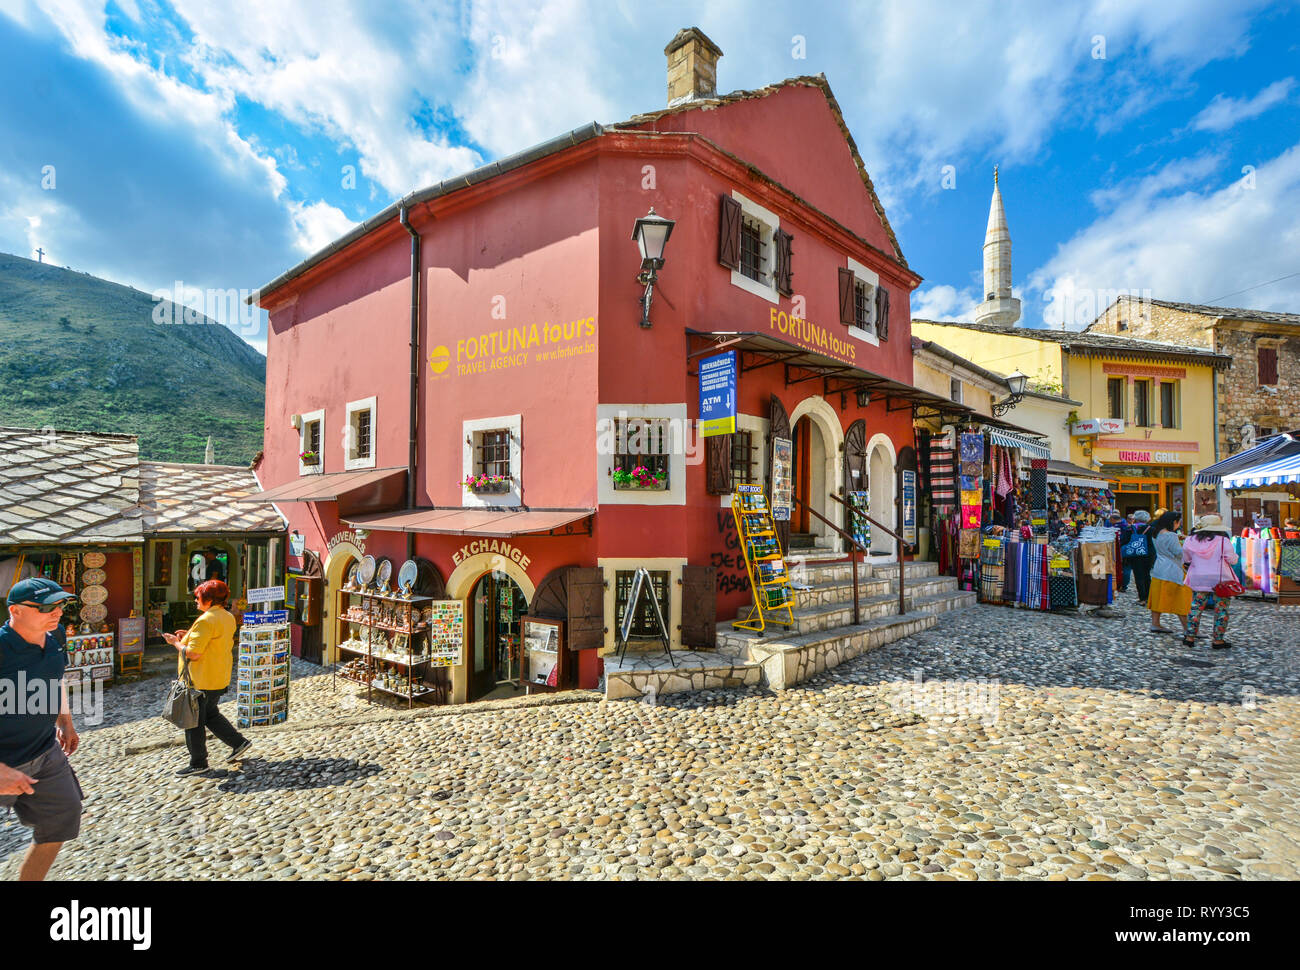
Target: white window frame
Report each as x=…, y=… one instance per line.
x=308, y=418
x=471, y=436
x=757, y=428
x=673, y=567
x=675, y=493
x=769, y=223
x=872, y=279
x=350, y=459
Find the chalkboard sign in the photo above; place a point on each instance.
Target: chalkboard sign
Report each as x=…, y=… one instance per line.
x=642, y=586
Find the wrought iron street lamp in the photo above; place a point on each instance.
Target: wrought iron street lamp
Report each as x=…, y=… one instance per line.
x=651, y=235
x=1016, y=383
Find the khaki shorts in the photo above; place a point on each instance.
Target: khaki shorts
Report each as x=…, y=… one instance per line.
x=53, y=810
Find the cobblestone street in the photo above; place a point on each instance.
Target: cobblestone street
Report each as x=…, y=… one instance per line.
x=1103, y=752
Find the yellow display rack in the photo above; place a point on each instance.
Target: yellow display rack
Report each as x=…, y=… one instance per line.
x=764, y=561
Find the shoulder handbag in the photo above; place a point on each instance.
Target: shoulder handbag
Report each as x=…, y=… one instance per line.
x=1226, y=588
x=183, y=701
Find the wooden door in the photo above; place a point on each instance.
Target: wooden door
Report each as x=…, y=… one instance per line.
x=699, y=607
x=855, y=462
x=778, y=426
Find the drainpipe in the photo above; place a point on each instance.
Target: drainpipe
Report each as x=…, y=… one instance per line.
x=403, y=216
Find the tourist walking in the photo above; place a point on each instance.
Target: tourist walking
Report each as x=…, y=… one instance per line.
x=1117, y=521
x=209, y=644
x=36, y=732
x=1208, y=554
x=1168, y=594
x=1139, y=556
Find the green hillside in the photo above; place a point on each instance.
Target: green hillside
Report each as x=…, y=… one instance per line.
x=109, y=367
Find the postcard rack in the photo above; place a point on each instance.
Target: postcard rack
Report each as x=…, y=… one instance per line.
x=764, y=561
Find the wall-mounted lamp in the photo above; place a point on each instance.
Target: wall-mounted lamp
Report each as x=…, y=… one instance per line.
x=1016, y=382
x=863, y=397
x=651, y=234
x=363, y=534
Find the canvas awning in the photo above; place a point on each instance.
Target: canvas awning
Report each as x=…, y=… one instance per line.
x=1282, y=470
x=373, y=486
x=499, y=523
x=1267, y=451
x=1033, y=447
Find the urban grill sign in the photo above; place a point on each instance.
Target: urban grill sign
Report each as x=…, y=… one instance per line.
x=1159, y=457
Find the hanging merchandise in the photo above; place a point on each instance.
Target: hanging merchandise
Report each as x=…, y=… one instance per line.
x=860, y=527
x=942, y=476
x=968, y=544
x=992, y=569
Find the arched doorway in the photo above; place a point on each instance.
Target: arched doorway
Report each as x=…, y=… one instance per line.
x=882, y=483
x=496, y=606
x=341, y=559
x=817, y=437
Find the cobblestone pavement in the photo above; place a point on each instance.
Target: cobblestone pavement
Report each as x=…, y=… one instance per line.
x=1102, y=752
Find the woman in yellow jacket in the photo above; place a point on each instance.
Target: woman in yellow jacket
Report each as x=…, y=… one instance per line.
x=210, y=645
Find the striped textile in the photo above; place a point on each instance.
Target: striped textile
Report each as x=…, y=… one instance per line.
x=943, y=471
x=1037, y=597
x=991, y=580
x=1012, y=584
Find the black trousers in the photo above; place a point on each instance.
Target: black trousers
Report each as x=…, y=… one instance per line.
x=1142, y=576
x=210, y=719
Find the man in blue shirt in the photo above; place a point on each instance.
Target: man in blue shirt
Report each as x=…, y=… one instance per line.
x=36, y=730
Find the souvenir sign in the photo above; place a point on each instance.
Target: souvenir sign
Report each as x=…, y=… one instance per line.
x=406, y=577
x=367, y=571
x=94, y=560
x=94, y=577
x=94, y=595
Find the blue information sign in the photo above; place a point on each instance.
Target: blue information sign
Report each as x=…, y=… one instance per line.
x=718, y=394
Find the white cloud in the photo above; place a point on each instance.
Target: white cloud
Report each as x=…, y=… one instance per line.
x=943, y=302
x=317, y=225
x=1224, y=112
x=1193, y=246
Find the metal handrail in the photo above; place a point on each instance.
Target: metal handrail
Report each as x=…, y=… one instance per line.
x=902, y=566
x=853, y=554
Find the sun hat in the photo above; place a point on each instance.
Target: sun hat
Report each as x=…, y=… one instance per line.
x=1211, y=523
x=38, y=590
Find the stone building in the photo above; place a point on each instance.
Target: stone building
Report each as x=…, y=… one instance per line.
x=1258, y=394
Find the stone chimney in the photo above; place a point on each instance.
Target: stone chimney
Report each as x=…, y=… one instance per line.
x=692, y=66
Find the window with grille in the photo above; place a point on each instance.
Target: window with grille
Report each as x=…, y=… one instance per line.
x=742, y=458
x=1168, y=400
x=1115, y=397
x=751, y=250
x=643, y=624
x=643, y=442
x=311, y=437
x=1142, y=403
x=862, y=304
x=494, y=452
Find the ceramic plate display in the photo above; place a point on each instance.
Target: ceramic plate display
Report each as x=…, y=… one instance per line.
x=384, y=572
x=406, y=576
x=94, y=613
x=94, y=595
x=93, y=560
x=367, y=571
x=94, y=577
x=352, y=577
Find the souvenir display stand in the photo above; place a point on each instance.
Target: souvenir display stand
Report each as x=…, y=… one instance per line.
x=764, y=561
x=544, y=665
x=262, y=670
x=394, y=641
x=90, y=658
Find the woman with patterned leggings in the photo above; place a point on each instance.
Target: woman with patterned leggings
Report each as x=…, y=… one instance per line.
x=1208, y=554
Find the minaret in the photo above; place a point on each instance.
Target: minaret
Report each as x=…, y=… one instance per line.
x=1000, y=308
x=209, y=458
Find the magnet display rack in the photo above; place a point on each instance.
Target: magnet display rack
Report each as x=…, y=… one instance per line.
x=764, y=561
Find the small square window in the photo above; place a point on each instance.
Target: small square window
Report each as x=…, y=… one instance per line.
x=862, y=299
x=494, y=452
x=751, y=250
x=954, y=389
x=642, y=443
x=742, y=458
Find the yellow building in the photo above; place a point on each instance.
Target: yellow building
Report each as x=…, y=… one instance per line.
x=1147, y=414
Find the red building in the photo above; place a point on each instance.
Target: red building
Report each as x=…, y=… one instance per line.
x=491, y=324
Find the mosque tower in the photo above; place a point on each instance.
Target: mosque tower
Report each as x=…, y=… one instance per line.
x=1000, y=308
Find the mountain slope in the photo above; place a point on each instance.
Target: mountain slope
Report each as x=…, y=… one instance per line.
x=114, y=369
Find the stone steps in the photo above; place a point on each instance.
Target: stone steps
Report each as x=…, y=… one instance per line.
x=840, y=591
x=651, y=674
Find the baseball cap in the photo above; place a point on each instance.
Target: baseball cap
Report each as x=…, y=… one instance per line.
x=38, y=590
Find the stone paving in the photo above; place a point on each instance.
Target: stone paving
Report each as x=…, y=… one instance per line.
x=1100, y=752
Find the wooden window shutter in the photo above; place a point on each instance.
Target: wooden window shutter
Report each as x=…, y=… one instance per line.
x=882, y=313
x=718, y=464
x=729, y=233
x=1267, y=365
x=847, y=282
x=784, y=272
x=586, y=607
x=699, y=607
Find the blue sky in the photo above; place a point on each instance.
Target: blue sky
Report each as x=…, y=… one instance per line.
x=1143, y=146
